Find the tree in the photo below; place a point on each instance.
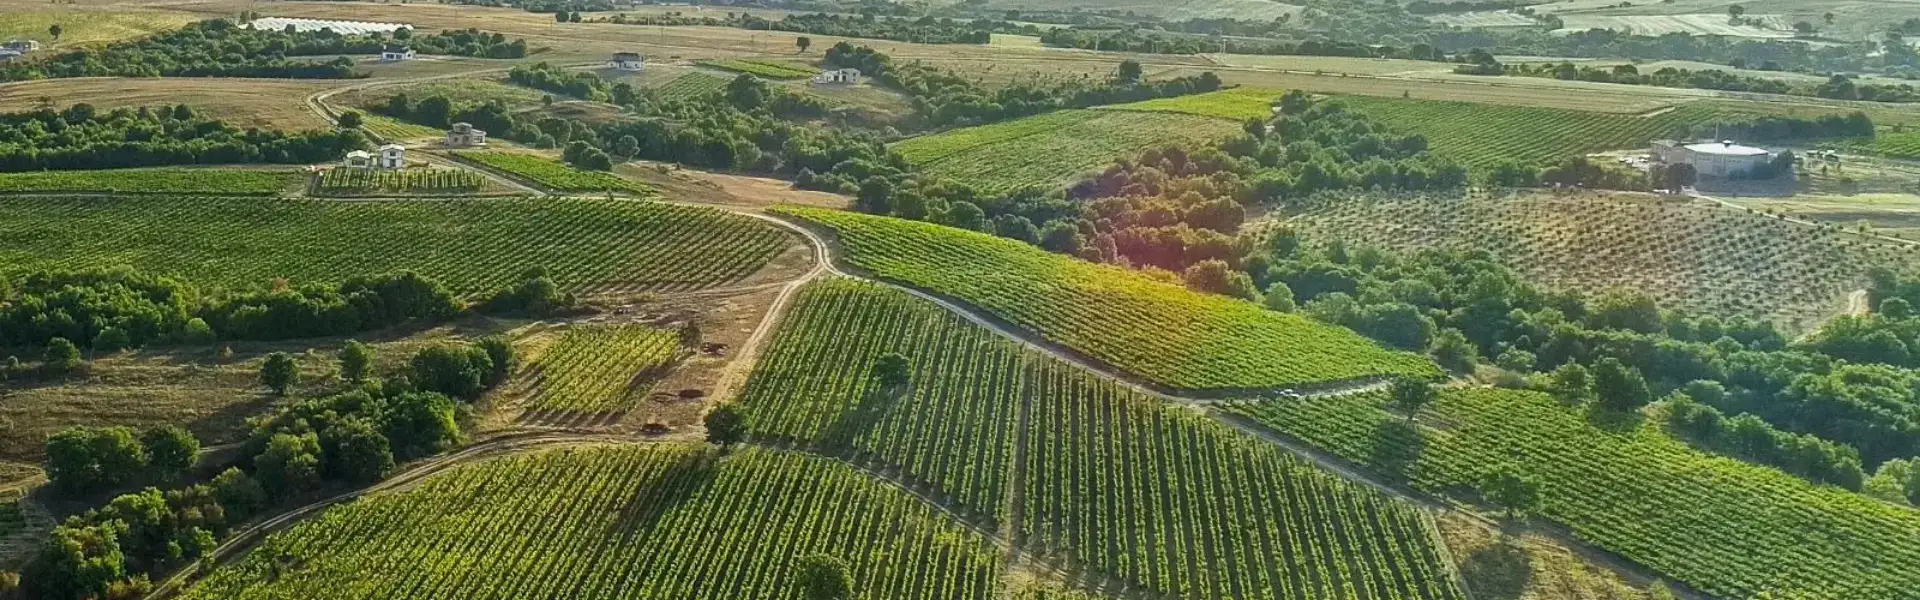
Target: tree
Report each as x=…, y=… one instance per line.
x=1618, y=387
x=1452, y=350
x=1129, y=72
x=1736, y=11
x=500, y=354
x=55, y=30
x=1676, y=178
x=1279, y=297
x=824, y=577
x=61, y=355
x=1509, y=489
x=627, y=146
x=419, y=424
x=1571, y=383
x=1410, y=394
x=726, y=425
x=356, y=451
x=197, y=332
x=112, y=339
x=875, y=196
x=290, y=465
x=355, y=359
x=1215, y=276
x=1803, y=28
x=171, y=450
x=279, y=373
x=803, y=42
x=892, y=370
x=83, y=459
x=560, y=16
x=458, y=372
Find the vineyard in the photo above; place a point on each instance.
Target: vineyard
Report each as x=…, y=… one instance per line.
x=1728, y=528
x=770, y=69
x=12, y=518
x=471, y=245
x=1686, y=255
x=1480, y=135
x=553, y=174
x=1895, y=145
x=1160, y=331
x=1237, y=104
x=619, y=522
x=1158, y=496
x=600, y=369
x=691, y=86
x=391, y=129
x=364, y=182
x=225, y=182
x=1053, y=149
x=952, y=428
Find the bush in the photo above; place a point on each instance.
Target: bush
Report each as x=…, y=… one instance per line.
x=279, y=373
x=290, y=465
x=456, y=371
x=84, y=459
x=61, y=355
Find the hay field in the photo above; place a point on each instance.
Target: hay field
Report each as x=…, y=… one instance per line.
x=83, y=25
x=265, y=103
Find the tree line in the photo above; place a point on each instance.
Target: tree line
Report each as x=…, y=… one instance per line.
x=922, y=30
x=350, y=438
x=81, y=137
x=219, y=48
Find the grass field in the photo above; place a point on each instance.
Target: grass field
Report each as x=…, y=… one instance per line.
x=471, y=245
x=603, y=369
x=620, y=521
x=1690, y=256
x=460, y=91
x=1728, y=528
x=1053, y=149
x=1159, y=331
x=1693, y=24
x=1238, y=104
x=236, y=182
x=84, y=25
x=553, y=174
x=1106, y=479
x=768, y=69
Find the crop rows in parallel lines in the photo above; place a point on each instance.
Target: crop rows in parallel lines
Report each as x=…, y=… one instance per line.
x=951, y=428
x=553, y=174
x=1480, y=135
x=1897, y=145
x=1743, y=530
x=150, y=181
x=595, y=368
x=928, y=149
x=618, y=523
x=349, y=180
x=1184, y=506
x=691, y=85
x=472, y=246
x=1057, y=156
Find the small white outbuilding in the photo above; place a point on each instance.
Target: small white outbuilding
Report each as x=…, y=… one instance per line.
x=359, y=159
x=393, y=156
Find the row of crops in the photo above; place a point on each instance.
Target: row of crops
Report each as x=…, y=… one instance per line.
x=588, y=245
x=953, y=429
x=603, y=368
x=1158, y=496
x=1159, y=331
x=1697, y=257
x=770, y=69
x=1728, y=528
x=1237, y=104
x=233, y=182
x=552, y=174
x=1053, y=149
x=361, y=182
x=1897, y=145
x=690, y=86
x=620, y=522
x=1481, y=135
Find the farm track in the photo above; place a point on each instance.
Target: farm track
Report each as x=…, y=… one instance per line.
x=1004, y=536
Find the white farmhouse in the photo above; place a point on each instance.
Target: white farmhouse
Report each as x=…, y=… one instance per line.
x=21, y=46
x=396, y=54
x=627, y=61
x=463, y=135
x=848, y=76
x=1714, y=159
x=359, y=159
x=393, y=156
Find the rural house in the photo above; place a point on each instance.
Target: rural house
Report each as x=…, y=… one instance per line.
x=1714, y=159
x=463, y=135
x=396, y=53
x=626, y=61
x=393, y=156
x=21, y=46
x=847, y=76
x=359, y=159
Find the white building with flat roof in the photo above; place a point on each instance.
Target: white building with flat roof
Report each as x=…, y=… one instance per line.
x=1714, y=159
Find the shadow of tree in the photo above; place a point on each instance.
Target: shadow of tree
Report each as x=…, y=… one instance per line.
x=1397, y=445
x=1497, y=572
x=862, y=416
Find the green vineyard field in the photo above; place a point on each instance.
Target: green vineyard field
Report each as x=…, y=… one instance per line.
x=690, y=86
x=1158, y=496
x=1480, y=135
x=234, y=182
x=554, y=174
x=1896, y=145
x=361, y=182
x=1054, y=149
x=1726, y=527
x=619, y=522
x=953, y=429
x=770, y=69
x=595, y=368
x=1159, y=331
x=1691, y=256
x=1238, y=104
x=471, y=245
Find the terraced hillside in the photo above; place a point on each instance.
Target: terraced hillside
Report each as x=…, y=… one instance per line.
x=1689, y=255
x=1079, y=468
x=1156, y=330
x=471, y=245
x=1728, y=528
x=617, y=522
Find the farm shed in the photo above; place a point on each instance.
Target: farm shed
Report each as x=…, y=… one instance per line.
x=841, y=76
x=1714, y=159
x=627, y=61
